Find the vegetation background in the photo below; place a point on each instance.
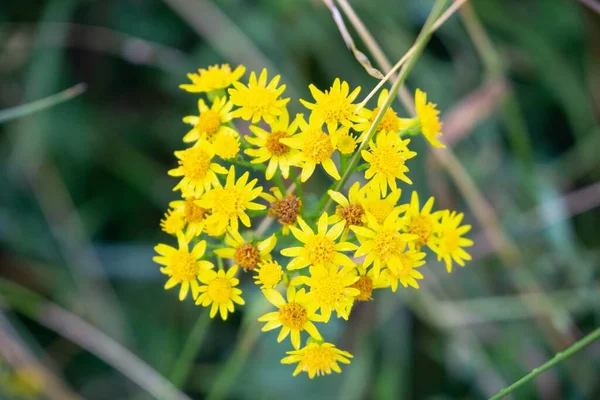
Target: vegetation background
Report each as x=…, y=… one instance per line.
x=84, y=185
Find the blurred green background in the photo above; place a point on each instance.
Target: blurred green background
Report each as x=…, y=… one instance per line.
x=84, y=186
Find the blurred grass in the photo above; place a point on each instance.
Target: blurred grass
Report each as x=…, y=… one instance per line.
x=468, y=335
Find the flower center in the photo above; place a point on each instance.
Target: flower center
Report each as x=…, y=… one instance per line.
x=273, y=145
x=387, y=243
x=333, y=108
x=318, y=147
x=422, y=226
x=260, y=99
x=380, y=209
x=293, y=315
x=328, y=290
x=352, y=213
x=346, y=144
x=195, y=163
x=387, y=160
x=319, y=359
x=184, y=266
x=270, y=274
x=247, y=256
x=209, y=122
x=389, y=122
x=320, y=250
x=365, y=285
x=219, y=290
x=228, y=201
x=286, y=209
x=193, y=212
x=227, y=146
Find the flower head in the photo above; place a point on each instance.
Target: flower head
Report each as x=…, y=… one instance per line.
x=331, y=289
x=173, y=222
x=349, y=210
x=428, y=119
x=380, y=207
x=210, y=121
x=227, y=144
x=183, y=266
x=268, y=274
x=285, y=208
x=258, y=100
x=214, y=78
x=389, y=123
x=220, y=290
x=403, y=269
x=269, y=146
x=367, y=282
x=294, y=316
x=319, y=248
x=196, y=168
x=386, y=158
x=381, y=243
x=317, y=359
x=449, y=245
x=316, y=147
x=193, y=215
x=345, y=142
x=334, y=106
x=421, y=222
x=229, y=203
x=245, y=254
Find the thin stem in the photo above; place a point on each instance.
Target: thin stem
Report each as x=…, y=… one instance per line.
x=595, y=335
x=279, y=183
x=298, y=185
x=190, y=349
x=419, y=45
x=39, y=105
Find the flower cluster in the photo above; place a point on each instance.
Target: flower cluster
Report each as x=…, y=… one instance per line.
x=333, y=258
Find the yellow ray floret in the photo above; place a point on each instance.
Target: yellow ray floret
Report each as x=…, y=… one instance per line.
x=317, y=359
x=382, y=206
x=381, y=243
x=270, y=148
x=334, y=106
x=220, y=292
x=258, y=100
x=386, y=157
x=449, y=245
x=182, y=266
x=197, y=169
x=422, y=222
x=214, y=78
x=316, y=147
x=403, y=269
x=173, y=222
x=294, y=316
x=331, y=289
x=209, y=121
x=229, y=203
x=319, y=248
x=244, y=253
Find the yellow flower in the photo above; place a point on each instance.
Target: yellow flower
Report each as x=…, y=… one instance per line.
x=389, y=123
x=268, y=274
x=317, y=359
x=331, y=289
x=316, y=147
x=182, y=266
x=229, y=203
x=197, y=169
x=227, y=144
x=402, y=269
x=270, y=147
x=220, y=290
x=193, y=215
x=320, y=248
x=210, y=121
x=258, y=100
x=214, y=78
x=422, y=222
x=381, y=243
x=334, y=106
x=173, y=222
x=428, y=119
x=285, y=208
x=367, y=282
x=386, y=158
x=294, y=316
x=380, y=207
x=245, y=254
x=345, y=142
x=349, y=210
x=449, y=245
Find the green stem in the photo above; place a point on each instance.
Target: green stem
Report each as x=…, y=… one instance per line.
x=420, y=43
x=595, y=335
x=298, y=185
x=279, y=183
x=190, y=349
